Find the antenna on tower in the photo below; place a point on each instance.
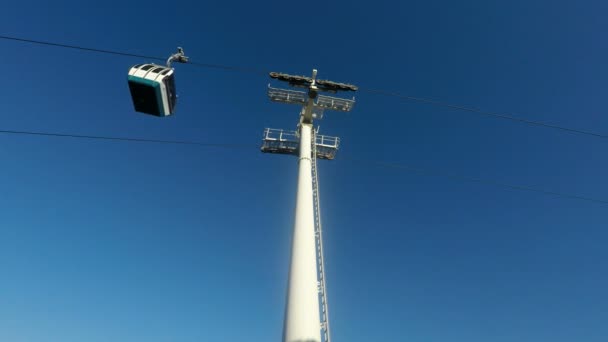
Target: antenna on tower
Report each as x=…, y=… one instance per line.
x=306, y=311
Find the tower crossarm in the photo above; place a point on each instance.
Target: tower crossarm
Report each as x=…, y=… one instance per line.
x=335, y=86
x=293, y=80
x=313, y=103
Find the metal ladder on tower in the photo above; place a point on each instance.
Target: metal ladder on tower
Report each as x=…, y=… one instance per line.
x=319, y=238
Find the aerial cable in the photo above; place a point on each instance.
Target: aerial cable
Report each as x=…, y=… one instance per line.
x=486, y=181
x=127, y=54
x=482, y=112
x=75, y=47
x=397, y=166
x=139, y=140
x=371, y=91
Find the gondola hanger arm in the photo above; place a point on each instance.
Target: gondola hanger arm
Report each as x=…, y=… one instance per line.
x=179, y=57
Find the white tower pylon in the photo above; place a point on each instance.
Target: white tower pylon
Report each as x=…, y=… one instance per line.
x=306, y=284
x=302, y=309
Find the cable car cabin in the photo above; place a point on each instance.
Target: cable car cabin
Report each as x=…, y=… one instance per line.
x=152, y=89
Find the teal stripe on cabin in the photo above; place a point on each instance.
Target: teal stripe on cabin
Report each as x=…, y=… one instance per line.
x=156, y=85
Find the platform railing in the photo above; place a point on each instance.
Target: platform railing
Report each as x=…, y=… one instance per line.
x=287, y=142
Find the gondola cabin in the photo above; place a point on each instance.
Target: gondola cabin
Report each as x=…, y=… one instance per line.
x=153, y=89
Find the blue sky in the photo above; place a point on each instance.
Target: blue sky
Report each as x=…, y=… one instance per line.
x=115, y=241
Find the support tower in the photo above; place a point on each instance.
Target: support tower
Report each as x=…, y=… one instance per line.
x=306, y=311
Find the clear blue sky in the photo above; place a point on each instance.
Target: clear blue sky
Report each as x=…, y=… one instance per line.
x=113, y=241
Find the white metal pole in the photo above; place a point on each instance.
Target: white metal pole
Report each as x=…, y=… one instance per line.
x=302, y=322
